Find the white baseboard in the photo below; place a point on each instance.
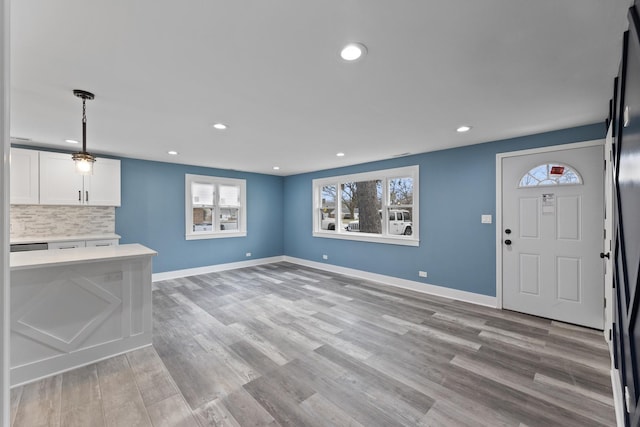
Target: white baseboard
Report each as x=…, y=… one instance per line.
x=618, y=398
x=176, y=274
x=424, y=288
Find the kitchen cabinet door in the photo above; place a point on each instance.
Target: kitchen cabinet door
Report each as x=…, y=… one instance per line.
x=59, y=182
x=24, y=177
x=103, y=187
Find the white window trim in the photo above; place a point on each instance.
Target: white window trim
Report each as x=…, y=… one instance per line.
x=215, y=233
x=555, y=184
x=384, y=175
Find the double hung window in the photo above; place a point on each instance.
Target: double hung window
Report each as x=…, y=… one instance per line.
x=215, y=207
x=379, y=206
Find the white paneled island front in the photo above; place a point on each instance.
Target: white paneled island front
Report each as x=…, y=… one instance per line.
x=76, y=306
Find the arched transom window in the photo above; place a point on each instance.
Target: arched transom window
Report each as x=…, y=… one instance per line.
x=550, y=174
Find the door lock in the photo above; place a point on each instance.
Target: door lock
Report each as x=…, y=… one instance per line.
x=507, y=242
x=507, y=231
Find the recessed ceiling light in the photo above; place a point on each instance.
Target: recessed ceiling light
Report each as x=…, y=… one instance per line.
x=353, y=51
x=220, y=126
x=276, y=168
x=71, y=141
x=463, y=129
x=340, y=154
x=172, y=152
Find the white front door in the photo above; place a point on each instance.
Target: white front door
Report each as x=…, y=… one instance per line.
x=552, y=228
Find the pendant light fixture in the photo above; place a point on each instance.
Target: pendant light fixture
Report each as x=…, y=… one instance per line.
x=84, y=161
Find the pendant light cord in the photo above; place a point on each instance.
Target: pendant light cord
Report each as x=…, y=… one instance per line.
x=84, y=125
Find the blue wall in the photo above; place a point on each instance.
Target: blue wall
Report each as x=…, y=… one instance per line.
x=153, y=214
x=456, y=187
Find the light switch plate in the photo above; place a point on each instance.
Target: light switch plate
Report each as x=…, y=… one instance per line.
x=486, y=219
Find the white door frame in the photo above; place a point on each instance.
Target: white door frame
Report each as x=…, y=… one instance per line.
x=4, y=213
x=499, y=226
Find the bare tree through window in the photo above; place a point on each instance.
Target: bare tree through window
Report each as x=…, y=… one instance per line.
x=369, y=201
x=369, y=206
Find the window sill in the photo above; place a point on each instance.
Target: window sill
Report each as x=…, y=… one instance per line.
x=220, y=235
x=399, y=240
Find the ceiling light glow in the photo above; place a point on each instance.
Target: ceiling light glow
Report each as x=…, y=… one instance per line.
x=340, y=154
x=220, y=126
x=172, y=152
x=83, y=159
x=276, y=168
x=71, y=141
x=462, y=129
x=353, y=51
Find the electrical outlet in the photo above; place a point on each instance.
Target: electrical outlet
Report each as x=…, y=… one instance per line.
x=325, y=256
x=486, y=219
x=248, y=254
x=422, y=273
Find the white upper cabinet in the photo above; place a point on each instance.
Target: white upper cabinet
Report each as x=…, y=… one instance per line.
x=59, y=182
x=24, y=177
x=103, y=187
x=61, y=185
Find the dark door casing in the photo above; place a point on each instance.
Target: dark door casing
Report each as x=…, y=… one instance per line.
x=626, y=248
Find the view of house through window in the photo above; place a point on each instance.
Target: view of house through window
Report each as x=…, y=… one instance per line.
x=374, y=205
x=215, y=207
x=202, y=219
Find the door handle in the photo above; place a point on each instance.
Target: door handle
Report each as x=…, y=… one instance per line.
x=507, y=242
x=79, y=195
x=603, y=255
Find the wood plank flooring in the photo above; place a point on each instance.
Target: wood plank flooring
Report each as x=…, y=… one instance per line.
x=284, y=345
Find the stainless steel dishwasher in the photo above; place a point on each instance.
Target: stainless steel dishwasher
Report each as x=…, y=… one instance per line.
x=24, y=247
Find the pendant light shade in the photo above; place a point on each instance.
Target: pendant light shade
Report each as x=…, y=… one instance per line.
x=84, y=163
x=84, y=160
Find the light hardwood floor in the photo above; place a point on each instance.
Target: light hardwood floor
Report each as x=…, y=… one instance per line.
x=287, y=345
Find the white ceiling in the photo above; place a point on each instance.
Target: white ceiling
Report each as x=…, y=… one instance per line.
x=164, y=71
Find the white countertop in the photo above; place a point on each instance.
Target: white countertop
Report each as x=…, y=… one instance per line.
x=21, y=240
x=35, y=259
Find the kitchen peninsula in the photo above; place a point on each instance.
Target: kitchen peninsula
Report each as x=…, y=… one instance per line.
x=76, y=306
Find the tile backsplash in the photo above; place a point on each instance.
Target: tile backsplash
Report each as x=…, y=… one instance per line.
x=47, y=221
